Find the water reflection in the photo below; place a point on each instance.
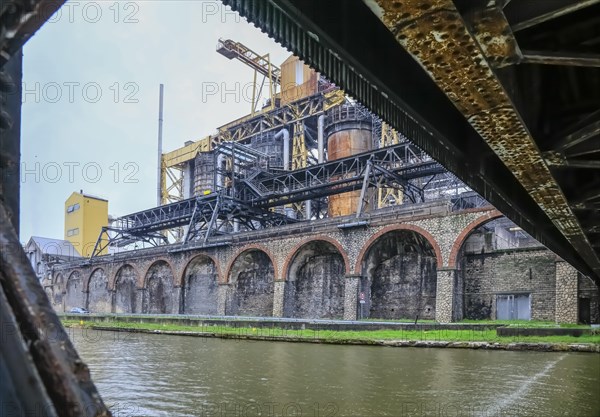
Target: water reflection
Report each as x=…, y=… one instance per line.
x=154, y=375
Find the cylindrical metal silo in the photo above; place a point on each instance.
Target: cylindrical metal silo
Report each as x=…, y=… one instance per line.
x=204, y=173
x=269, y=145
x=349, y=132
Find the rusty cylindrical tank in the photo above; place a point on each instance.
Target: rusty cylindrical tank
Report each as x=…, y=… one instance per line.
x=349, y=132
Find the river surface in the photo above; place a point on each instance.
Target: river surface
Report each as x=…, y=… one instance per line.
x=158, y=375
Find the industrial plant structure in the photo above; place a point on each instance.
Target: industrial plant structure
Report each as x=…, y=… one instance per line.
x=308, y=153
x=312, y=207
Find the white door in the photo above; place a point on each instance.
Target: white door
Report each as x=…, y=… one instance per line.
x=513, y=307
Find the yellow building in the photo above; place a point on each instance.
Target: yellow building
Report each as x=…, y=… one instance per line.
x=85, y=215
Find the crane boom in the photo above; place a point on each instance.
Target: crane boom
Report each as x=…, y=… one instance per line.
x=260, y=63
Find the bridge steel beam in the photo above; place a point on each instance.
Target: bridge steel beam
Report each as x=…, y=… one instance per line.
x=324, y=35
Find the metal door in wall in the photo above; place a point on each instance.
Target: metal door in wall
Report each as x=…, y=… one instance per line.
x=513, y=307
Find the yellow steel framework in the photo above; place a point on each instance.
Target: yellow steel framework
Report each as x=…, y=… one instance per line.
x=299, y=152
x=387, y=196
x=171, y=185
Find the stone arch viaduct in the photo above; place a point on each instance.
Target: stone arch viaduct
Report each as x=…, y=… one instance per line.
x=402, y=266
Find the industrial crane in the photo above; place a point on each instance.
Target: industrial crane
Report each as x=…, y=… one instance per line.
x=261, y=64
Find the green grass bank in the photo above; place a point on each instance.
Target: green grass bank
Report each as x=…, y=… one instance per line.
x=482, y=335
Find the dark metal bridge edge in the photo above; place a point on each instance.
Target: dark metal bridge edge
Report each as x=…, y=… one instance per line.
x=41, y=373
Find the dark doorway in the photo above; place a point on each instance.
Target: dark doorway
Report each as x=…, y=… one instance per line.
x=585, y=311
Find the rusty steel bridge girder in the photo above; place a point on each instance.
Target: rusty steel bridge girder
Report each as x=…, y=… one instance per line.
x=435, y=34
x=325, y=36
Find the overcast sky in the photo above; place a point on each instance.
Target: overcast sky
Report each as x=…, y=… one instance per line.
x=90, y=102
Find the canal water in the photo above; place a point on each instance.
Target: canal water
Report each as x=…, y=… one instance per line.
x=158, y=375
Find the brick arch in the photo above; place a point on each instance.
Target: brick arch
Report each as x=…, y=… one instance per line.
x=86, y=282
x=393, y=228
x=144, y=278
x=75, y=271
x=292, y=254
x=112, y=283
x=56, y=280
x=201, y=255
x=460, y=240
x=246, y=249
x=67, y=277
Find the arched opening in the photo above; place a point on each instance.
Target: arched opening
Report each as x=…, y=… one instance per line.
x=99, y=299
x=504, y=274
x=315, y=282
x=74, y=296
x=159, y=289
x=200, y=286
x=399, y=277
x=56, y=293
x=251, y=276
x=126, y=290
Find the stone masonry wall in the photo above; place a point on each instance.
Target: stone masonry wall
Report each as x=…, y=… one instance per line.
x=566, y=293
x=589, y=291
x=139, y=287
x=125, y=293
x=315, y=285
x=445, y=291
x=505, y=272
x=98, y=296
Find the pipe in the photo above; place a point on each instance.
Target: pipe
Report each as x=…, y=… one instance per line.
x=353, y=224
x=187, y=180
x=321, y=138
x=286, y=147
x=160, y=134
x=219, y=171
x=308, y=208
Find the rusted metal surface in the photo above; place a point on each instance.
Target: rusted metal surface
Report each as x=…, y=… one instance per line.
x=494, y=35
x=20, y=380
x=434, y=33
x=340, y=145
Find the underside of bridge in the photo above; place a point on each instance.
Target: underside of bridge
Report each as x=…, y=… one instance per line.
x=505, y=94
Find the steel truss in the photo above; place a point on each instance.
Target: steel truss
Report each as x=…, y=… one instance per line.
x=393, y=166
x=201, y=217
x=251, y=193
x=278, y=118
x=112, y=236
